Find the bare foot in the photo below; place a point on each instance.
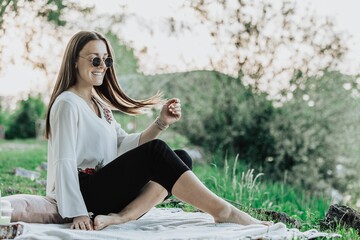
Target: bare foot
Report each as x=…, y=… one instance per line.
x=234, y=215
x=102, y=221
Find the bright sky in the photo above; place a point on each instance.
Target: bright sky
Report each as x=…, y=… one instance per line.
x=20, y=78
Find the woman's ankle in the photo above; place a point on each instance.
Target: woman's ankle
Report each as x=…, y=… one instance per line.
x=124, y=216
x=223, y=214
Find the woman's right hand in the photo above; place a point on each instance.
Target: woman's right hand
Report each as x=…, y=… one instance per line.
x=82, y=223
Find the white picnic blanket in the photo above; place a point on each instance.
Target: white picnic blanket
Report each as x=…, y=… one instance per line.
x=169, y=224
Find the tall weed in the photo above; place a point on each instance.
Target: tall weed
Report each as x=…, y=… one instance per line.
x=248, y=188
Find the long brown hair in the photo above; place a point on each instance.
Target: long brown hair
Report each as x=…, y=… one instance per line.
x=110, y=91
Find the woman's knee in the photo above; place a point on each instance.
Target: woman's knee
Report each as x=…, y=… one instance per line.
x=157, y=142
x=156, y=145
x=185, y=157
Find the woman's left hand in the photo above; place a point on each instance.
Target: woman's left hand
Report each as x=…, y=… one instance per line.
x=171, y=111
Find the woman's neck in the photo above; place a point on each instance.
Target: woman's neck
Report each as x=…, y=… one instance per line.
x=88, y=98
x=86, y=94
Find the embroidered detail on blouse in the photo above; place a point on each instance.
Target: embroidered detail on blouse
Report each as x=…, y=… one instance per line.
x=87, y=171
x=92, y=170
x=107, y=112
x=99, y=166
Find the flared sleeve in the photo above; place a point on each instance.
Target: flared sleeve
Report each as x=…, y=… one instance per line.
x=64, y=134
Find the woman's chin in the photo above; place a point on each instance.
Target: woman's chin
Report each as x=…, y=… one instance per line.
x=98, y=82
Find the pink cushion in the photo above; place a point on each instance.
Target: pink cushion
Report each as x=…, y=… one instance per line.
x=34, y=209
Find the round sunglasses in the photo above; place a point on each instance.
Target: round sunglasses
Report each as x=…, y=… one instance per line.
x=96, y=61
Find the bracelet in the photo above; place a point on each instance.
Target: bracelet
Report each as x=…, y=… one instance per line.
x=160, y=125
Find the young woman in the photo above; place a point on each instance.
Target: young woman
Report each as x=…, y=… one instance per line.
x=98, y=171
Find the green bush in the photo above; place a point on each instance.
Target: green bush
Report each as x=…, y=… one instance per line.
x=4, y=116
x=22, y=124
x=312, y=136
x=316, y=133
x=218, y=112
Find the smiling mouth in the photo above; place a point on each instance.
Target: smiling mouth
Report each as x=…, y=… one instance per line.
x=98, y=74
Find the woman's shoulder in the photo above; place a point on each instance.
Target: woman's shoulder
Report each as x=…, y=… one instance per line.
x=67, y=98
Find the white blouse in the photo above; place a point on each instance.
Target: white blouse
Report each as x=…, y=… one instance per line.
x=80, y=139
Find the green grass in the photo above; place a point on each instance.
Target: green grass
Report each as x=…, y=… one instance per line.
x=249, y=192
x=242, y=187
x=28, y=154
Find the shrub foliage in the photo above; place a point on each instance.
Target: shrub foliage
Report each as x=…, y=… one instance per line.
x=312, y=136
x=22, y=124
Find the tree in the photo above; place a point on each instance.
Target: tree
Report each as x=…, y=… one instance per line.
x=36, y=23
x=266, y=41
x=5, y=112
x=125, y=60
x=24, y=119
x=316, y=134
x=2, y=113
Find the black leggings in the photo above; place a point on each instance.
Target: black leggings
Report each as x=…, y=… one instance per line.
x=118, y=183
